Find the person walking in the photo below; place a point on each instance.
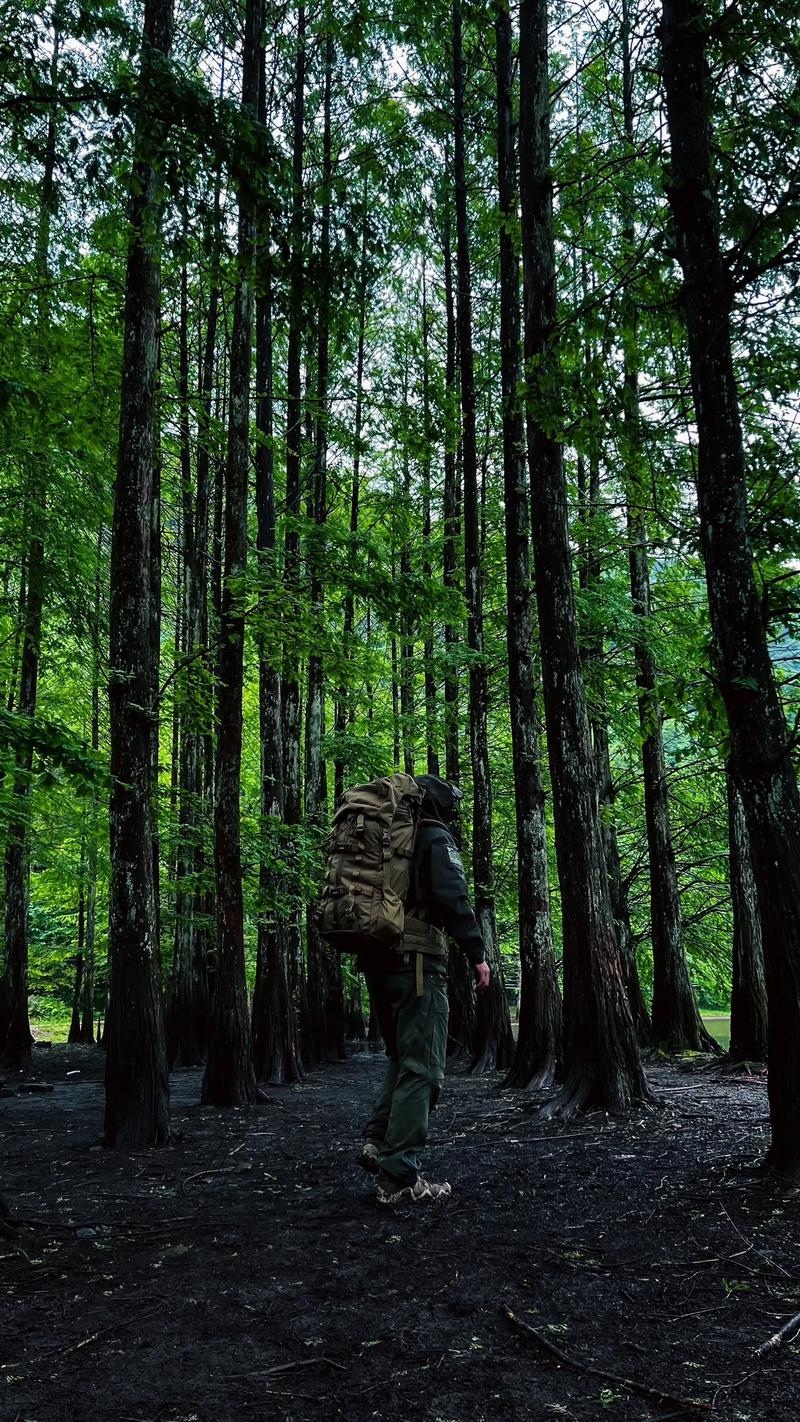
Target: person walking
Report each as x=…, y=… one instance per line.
x=408, y=987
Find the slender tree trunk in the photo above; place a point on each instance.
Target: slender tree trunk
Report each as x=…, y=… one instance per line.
x=396, y=728
x=460, y=986
x=290, y=684
x=761, y=759
x=676, y=1022
x=325, y=1014
x=494, y=1044
x=229, y=1078
x=432, y=751
x=602, y=1066
x=276, y=1050
x=137, y=1082
x=74, y=1034
x=452, y=499
x=343, y=696
x=540, y=1005
x=155, y=670
x=187, y=1025
x=203, y=906
x=407, y=708
x=87, y=1008
x=748, y=1041
x=15, y=1032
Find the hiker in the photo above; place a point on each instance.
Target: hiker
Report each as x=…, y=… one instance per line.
x=408, y=987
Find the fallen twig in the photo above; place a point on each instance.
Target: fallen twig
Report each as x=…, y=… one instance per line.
x=301, y=1363
x=685, y=1403
x=780, y=1337
x=53, y=1353
x=287, y=1368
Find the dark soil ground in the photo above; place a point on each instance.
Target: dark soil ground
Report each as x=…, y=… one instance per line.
x=246, y=1271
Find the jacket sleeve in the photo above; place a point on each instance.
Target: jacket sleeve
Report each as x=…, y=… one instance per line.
x=448, y=896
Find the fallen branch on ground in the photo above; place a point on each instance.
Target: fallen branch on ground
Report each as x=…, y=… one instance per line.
x=780, y=1337
x=685, y=1403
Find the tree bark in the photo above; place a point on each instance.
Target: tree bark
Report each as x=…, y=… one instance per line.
x=460, y=987
x=452, y=498
x=87, y=1005
x=748, y=1040
x=229, y=1078
x=137, y=1081
x=494, y=1043
x=760, y=759
x=344, y=713
x=431, y=730
x=186, y=1047
x=276, y=1049
x=290, y=682
x=538, y=1037
x=15, y=1033
x=602, y=1066
x=324, y=1038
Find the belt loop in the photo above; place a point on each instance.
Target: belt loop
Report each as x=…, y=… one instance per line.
x=420, y=979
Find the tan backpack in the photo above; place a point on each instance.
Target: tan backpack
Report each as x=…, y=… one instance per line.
x=368, y=865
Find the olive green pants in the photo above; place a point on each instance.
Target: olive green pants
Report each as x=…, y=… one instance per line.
x=415, y=1032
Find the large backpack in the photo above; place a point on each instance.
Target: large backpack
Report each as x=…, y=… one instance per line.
x=368, y=865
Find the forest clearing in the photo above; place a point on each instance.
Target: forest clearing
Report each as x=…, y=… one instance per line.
x=245, y=1271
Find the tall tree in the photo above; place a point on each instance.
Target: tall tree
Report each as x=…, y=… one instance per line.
x=675, y=1021
x=137, y=1083
x=602, y=1065
x=432, y=751
x=276, y=1049
x=290, y=680
x=761, y=746
x=343, y=700
x=15, y=1032
x=229, y=1078
x=325, y=1007
x=540, y=1006
x=461, y=993
x=494, y=1045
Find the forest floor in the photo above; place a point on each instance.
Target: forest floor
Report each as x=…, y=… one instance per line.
x=247, y=1272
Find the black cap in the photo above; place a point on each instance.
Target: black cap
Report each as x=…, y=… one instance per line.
x=442, y=800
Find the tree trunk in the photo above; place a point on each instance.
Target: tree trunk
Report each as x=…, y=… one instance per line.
x=325, y=1010
x=539, y=1031
x=343, y=697
x=760, y=759
x=748, y=1040
x=74, y=1034
x=602, y=1066
x=15, y=1032
x=185, y=1044
x=494, y=1043
x=460, y=986
x=290, y=683
x=431, y=731
x=137, y=1081
x=87, y=1005
x=229, y=1078
x=452, y=503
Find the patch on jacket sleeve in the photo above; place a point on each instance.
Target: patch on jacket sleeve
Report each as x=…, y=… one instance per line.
x=454, y=857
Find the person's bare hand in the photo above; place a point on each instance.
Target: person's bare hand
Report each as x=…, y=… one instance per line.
x=482, y=976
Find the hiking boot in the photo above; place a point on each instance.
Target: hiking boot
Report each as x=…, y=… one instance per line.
x=422, y=1192
x=368, y=1157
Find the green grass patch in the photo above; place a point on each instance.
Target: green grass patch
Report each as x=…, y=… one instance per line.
x=719, y=1026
